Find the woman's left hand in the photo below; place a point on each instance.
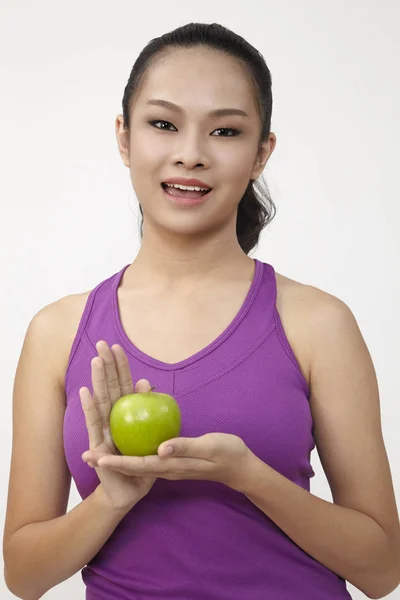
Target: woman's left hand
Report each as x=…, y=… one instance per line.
x=220, y=457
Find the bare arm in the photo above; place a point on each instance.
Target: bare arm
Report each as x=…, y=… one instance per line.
x=42, y=545
x=41, y=555
x=358, y=535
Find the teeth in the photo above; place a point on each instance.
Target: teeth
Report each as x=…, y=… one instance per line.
x=187, y=187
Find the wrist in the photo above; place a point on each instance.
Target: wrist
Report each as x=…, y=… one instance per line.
x=104, y=503
x=241, y=473
x=249, y=473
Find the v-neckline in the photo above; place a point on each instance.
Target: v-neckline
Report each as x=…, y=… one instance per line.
x=130, y=347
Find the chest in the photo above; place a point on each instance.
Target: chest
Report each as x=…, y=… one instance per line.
x=173, y=329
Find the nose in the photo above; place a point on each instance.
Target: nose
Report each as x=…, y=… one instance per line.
x=190, y=151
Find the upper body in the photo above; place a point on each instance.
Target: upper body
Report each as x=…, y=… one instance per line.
x=187, y=283
x=319, y=328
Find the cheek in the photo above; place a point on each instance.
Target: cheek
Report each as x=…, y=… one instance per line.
x=234, y=164
x=147, y=150
x=147, y=161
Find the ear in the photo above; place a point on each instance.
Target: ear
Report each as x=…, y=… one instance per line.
x=122, y=139
x=267, y=148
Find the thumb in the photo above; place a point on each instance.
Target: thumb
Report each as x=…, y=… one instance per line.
x=187, y=447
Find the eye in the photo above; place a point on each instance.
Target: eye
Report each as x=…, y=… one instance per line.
x=159, y=121
x=233, y=132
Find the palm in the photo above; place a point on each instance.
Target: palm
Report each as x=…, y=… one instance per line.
x=122, y=489
x=119, y=487
x=111, y=379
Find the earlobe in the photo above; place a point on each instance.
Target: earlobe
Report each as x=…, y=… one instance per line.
x=259, y=166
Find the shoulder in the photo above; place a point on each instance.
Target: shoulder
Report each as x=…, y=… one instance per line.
x=310, y=317
x=317, y=306
x=59, y=322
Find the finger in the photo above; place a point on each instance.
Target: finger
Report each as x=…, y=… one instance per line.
x=100, y=389
x=92, y=456
x=143, y=385
x=201, y=447
x=148, y=466
x=101, y=397
x=110, y=370
x=93, y=421
x=124, y=373
x=123, y=370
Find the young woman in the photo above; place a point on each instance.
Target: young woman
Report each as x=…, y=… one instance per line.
x=264, y=369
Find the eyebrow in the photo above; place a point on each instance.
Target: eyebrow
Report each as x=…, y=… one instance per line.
x=218, y=112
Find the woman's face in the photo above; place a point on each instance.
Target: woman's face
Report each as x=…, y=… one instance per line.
x=188, y=141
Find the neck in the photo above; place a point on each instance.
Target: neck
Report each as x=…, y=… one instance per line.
x=172, y=262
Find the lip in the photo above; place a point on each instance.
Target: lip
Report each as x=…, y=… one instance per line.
x=187, y=201
x=183, y=181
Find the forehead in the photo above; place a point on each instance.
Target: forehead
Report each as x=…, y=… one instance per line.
x=198, y=79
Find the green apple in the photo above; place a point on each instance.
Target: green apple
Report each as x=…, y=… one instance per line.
x=140, y=422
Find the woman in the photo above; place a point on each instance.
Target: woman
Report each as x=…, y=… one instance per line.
x=264, y=369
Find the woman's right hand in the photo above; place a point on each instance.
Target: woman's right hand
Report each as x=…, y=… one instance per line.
x=111, y=379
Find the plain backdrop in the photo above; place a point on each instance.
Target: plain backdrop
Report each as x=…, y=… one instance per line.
x=69, y=215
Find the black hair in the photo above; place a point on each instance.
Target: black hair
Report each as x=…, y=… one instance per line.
x=256, y=208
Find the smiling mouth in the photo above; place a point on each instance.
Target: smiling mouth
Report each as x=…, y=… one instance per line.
x=178, y=193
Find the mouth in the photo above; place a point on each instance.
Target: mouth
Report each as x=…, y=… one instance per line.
x=186, y=197
x=178, y=193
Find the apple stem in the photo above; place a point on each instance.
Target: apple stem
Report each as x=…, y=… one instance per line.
x=153, y=388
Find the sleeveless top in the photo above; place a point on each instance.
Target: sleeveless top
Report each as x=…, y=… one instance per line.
x=201, y=540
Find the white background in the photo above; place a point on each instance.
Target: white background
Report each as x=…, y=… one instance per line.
x=69, y=218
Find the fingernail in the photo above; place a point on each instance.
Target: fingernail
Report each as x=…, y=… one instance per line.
x=167, y=450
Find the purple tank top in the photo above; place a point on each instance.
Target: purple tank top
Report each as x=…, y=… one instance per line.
x=200, y=540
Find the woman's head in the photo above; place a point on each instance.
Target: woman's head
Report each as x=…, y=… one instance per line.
x=200, y=68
